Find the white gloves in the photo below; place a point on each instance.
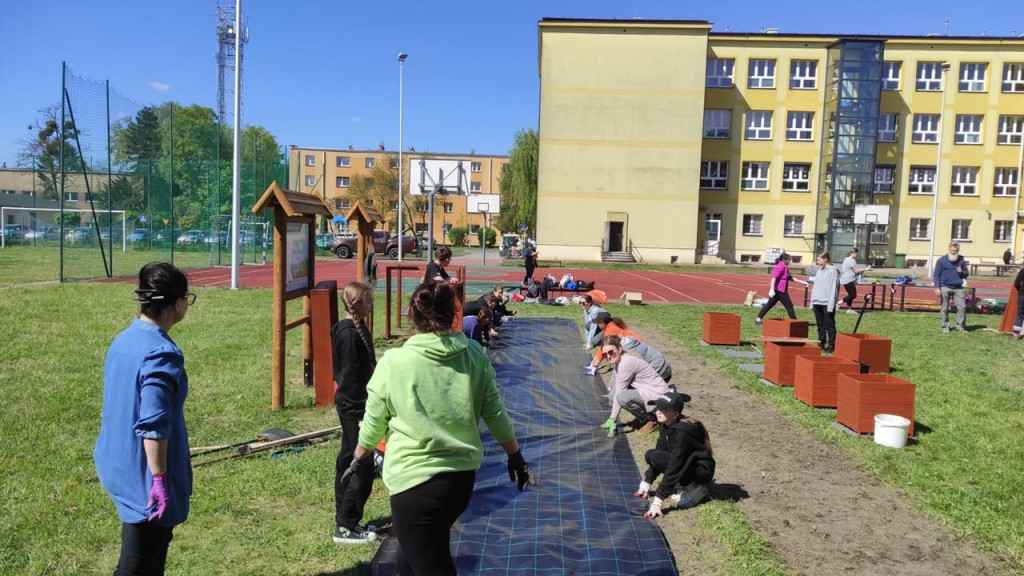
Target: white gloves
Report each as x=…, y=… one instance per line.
x=771, y=293
x=589, y=370
x=655, y=510
x=643, y=491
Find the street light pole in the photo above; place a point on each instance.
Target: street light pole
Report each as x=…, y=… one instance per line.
x=401, y=64
x=938, y=171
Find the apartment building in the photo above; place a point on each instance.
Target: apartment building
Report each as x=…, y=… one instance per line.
x=330, y=174
x=684, y=145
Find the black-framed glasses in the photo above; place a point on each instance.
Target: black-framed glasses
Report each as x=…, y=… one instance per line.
x=191, y=298
x=611, y=353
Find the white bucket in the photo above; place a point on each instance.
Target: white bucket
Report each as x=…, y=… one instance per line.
x=891, y=430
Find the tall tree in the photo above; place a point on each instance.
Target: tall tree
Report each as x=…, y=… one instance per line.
x=42, y=151
x=380, y=188
x=518, y=184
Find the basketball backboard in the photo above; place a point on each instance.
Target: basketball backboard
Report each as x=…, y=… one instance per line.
x=871, y=214
x=483, y=204
x=449, y=176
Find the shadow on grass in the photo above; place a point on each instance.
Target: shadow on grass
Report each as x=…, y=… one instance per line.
x=361, y=569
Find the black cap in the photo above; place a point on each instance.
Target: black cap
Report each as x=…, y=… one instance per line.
x=670, y=401
x=603, y=318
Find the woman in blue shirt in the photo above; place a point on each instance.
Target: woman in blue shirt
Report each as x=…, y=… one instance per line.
x=142, y=455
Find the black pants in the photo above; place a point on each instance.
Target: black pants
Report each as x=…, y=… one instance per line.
x=143, y=549
x=851, y=293
x=779, y=297
x=350, y=497
x=826, y=326
x=530, y=266
x=423, y=516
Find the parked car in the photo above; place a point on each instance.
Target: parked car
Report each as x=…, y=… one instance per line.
x=508, y=242
x=139, y=235
x=167, y=235
x=80, y=234
x=344, y=245
x=192, y=237
x=106, y=233
x=41, y=233
x=14, y=232
x=221, y=238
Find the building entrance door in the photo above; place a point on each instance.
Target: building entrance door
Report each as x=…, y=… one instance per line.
x=712, y=233
x=615, y=236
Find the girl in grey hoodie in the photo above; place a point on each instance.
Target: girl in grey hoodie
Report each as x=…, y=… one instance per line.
x=824, y=299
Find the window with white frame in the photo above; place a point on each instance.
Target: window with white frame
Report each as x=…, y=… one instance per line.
x=310, y=180
x=803, y=74
x=719, y=73
x=752, y=224
x=475, y=187
x=342, y=203
x=310, y=160
x=369, y=162
x=887, y=127
x=879, y=234
x=714, y=174
x=968, y=128
x=718, y=124
x=755, y=176
x=421, y=227
x=961, y=231
x=796, y=177
x=342, y=182
x=1013, y=77
x=800, y=126
x=793, y=225
x=972, y=76
x=1011, y=128
x=922, y=180
x=1002, y=231
x=421, y=205
x=929, y=76
x=759, y=125
x=891, y=75
x=920, y=228
x=1006, y=182
x=393, y=205
x=761, y=73
x=449, y=208
x=926, y=129
x=885, y=179
x=71, y=196
x=964, y=181
x=342, y=161
x=475, y=167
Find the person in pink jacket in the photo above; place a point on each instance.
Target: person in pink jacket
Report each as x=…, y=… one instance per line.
x=635, y=383
x=778, y=291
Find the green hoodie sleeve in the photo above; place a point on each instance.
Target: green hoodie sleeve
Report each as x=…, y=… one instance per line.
x=378, y=408
x=492, y=410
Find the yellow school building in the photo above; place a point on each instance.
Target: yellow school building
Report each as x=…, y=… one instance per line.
x=663, y=141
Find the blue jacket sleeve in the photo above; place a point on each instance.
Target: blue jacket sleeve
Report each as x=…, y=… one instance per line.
x=161, y=371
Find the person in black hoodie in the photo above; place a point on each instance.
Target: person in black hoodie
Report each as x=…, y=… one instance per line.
x=354, y=361
x=682, y=453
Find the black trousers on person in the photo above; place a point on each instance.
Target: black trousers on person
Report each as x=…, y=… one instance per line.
x=826, y=326
x=350, y=497
x=530, y=267
x=851, y=293
x=143, y=549
x=779, y=297
x=423, y=516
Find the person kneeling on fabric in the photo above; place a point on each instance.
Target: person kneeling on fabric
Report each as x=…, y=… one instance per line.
x=635, y=384
x=682, y=454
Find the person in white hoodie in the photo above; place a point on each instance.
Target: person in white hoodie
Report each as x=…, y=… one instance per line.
x=824, y=300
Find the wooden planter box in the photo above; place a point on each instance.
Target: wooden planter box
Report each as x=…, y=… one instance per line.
x=873, y=351
x=780, y=360
x=784, y=328
x=721, y=328
x=815, y=379
x=861, y=396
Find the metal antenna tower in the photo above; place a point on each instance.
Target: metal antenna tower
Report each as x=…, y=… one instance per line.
x=226, y=56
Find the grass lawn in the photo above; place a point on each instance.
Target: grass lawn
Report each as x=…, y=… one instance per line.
x=264, y=515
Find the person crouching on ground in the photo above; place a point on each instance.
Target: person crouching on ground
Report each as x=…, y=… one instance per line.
x=610, y=327
x=682, y=455
x=824, y=300
x=635, y=383
x=593, y=335
x=474, y=327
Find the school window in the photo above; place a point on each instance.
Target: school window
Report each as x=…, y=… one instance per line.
x=342, y=182
x=342, y=203
x=719, y=73
x=929, y=76
x=369, y=162
x=1002, y=231
x=449, y=208
x=879, y=234
x=752, y=224
x=922, y=180
x=965, y=181
x=926, y=129
x=475, y=167
x=887, y=127
x=972, y=76
x=421, y=227
x=310, y=180
x=796, y=177
x=421, y=206
x=1013, y=77
x=891, y=75
x=755, y=176
x=800, y=126
x=961, y=231
x=793, y=225
x=474, y=229
x=919, y=228
x=369, y=183
x=1010, y=129
x=803, y=74
x=1005, y=182
x=718, y=124
x=71, y=196
x=759, y=126
x=8, y=191
x=968, y=129
x=714, y=175
x=393, y=205
x=475, y=187
x=885, y=178
x=342, y=161
x=310, y=160
x=761, y=74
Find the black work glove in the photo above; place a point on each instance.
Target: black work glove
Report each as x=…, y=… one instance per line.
x=354, y=467
x=519, y=471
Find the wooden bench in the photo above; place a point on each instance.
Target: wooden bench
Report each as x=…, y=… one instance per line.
x=999, y=268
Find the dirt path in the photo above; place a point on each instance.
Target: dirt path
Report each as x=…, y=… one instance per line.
x=822, y=515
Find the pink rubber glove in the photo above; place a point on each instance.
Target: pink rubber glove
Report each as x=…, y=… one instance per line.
x=158, y=496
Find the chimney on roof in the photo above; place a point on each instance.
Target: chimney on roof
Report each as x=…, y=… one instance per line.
x=380, y=147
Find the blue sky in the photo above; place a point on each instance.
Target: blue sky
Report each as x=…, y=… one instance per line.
x=324, y=73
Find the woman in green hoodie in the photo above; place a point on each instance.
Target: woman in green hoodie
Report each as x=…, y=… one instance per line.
x=428, y=397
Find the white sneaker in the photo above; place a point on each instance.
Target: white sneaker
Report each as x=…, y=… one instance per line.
x=357, y=535
x=691, y=495
x=851, y=311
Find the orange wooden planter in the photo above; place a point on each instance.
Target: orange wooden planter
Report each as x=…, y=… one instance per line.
x=815, y=379
x=721, y=328
x=780, y=360
x=784, y=328
x=861, y=396
x=874, y=351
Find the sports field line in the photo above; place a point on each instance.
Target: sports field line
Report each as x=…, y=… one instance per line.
x=669, y=288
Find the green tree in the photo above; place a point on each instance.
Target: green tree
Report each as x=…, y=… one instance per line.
x=379, y=188
x=492, y=236
x=518, y=184
x=42, y=151
x=68, y=219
